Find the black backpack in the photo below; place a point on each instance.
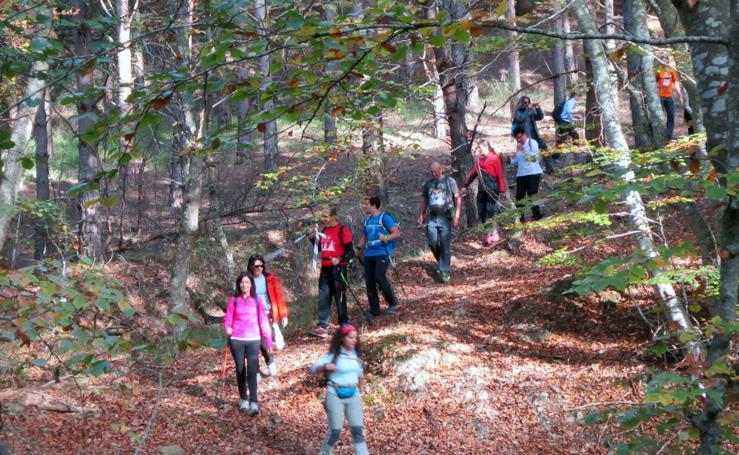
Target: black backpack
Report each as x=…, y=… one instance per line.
x=557, y=112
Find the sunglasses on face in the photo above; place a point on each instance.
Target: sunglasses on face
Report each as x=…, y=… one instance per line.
x=526, y=102
x=258, y=266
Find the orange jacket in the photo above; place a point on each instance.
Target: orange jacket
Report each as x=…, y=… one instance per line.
x=666, y=79
x=278, y=310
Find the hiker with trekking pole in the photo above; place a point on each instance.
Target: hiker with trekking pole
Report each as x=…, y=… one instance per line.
x=380, y=235
x=247, y=326
x=337, y=249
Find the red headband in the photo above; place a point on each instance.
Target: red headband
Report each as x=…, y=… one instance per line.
x=347, y=329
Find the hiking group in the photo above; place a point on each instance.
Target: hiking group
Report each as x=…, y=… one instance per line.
x=257, y=311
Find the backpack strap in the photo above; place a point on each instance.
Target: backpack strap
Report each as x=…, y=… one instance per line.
x=449, y=190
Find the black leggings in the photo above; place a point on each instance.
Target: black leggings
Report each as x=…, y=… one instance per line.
x=268, y=357
x=250, y=350
x=528, y=185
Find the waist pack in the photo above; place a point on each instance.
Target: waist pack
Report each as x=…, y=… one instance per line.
x=345, y=392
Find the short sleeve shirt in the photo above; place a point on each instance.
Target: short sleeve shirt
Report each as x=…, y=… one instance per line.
x=666, y=79
x=446, y=184
x=381, y=223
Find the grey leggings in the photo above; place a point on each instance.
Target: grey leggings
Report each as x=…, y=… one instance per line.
x=335, y=409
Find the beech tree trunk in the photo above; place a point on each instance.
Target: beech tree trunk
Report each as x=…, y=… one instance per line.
x=649, y=83
x=558, y=62
x=637, y=213
x=125, y=78
x=433, y=76
x=438, y=98
x=639, y=122
x=514, y=70
x=271, y=149
x=192, y=193
x=716, y=69
x=610, y=23
x=570, y=61
x=450, y=61
x=21, y=135
x=373, y=146
x=90, y=224
x=329, y=120
x=593, y=117
x=42, y=137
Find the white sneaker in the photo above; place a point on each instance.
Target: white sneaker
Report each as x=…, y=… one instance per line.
x=253, y=409
x=272, y=368
x=244, y=406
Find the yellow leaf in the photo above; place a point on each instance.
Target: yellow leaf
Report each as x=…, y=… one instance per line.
x=617, y=54
x=333, y=54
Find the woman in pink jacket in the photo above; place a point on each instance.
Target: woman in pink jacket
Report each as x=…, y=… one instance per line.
x=246, y=325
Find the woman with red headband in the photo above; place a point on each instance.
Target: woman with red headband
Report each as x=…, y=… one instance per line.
x=342, y=367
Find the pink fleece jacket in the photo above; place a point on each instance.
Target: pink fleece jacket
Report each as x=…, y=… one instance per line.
x=248, y=319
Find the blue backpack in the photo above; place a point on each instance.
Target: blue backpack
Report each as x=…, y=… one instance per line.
x=389, y=245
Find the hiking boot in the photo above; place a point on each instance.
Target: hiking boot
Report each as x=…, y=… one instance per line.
x=272, y=368
x=444, y=277
x=320, y=332
x=244, y=406
x=253, y=409
x=392, y=309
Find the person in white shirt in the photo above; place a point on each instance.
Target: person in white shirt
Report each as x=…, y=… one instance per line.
x=528, y=170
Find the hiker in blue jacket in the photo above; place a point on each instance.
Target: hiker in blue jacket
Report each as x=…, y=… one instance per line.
x=378, y=241
x=563, y=121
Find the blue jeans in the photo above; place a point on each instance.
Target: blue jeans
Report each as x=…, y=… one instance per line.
x=669, y=106
x=439, y=235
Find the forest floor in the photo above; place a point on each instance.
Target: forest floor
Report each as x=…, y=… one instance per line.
x=493, y=362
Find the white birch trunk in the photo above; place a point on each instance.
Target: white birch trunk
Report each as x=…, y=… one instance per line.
x=21, y=135
x=192, y=194
x=514, y=70
x=651, y=94
x=616, y=139
x=271, y=149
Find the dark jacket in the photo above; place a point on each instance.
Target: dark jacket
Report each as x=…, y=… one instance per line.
x=526, y=118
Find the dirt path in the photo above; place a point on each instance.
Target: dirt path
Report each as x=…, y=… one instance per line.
x=483, y=364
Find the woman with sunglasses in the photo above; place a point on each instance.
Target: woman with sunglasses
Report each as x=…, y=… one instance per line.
x=525, y=117
x=267, y=287
x=343, y=368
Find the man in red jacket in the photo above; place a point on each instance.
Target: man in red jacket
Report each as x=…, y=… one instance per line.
x=489, y=171
x=337, y=249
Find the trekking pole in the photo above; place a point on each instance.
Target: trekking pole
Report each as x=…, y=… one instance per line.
x=223, y=372
x=392, y=266
x=356, y=300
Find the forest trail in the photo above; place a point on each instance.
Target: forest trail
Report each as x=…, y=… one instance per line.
x=483, y=364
